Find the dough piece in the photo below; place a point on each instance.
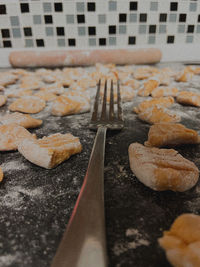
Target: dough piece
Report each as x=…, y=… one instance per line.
x=45, y=95
x=161, y=101
x=50, y=151
x=31, y=82
x=182, y=242
x=3, y=100
x=70, y=103
x=163, y=134
x=161, y=91
x=1, y=174
x=28, y=104
x=184, y=76
x=2, y=88
x=11, y=135
x=148, y=87
x=23, y=120
x=145, y=73
x=19, y=93
x=7, y=78
x=162, y=169
x=132, y=82
x=157, y=114
x=188, y=98
x=54, y=88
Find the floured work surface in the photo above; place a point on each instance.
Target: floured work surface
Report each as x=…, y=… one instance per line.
x=36, y=203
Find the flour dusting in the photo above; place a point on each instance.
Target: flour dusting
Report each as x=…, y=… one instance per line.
x=13, y=165
x=14, y=198
x=138, y=240
x=8, y=259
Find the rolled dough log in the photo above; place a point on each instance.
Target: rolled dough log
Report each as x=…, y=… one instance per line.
x=83, y=57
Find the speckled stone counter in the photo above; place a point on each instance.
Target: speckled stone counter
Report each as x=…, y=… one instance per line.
x=36, y=203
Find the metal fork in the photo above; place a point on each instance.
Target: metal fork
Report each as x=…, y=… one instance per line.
x=84, y=241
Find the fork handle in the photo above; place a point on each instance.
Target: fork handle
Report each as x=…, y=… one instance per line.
x=84, y=241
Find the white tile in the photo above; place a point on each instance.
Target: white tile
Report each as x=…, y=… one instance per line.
x=38, y=32
x=26, y=20
x=59, y=19
x=69, y=7
x=35, y=8
x=4, y=22
x=92, y=19
x=13, y=9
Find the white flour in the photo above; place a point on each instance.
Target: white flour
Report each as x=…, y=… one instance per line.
x=7, y=260
x=138, y=240
x=13, y=165
x=14, y=198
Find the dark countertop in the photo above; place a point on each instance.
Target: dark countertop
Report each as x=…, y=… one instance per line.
x=36, y=203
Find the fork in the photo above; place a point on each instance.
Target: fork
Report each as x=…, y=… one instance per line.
x=84, y=241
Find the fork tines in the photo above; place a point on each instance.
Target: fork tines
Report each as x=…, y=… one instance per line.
x=102, y=116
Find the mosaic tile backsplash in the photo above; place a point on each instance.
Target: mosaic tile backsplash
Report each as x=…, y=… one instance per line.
x=102, y=23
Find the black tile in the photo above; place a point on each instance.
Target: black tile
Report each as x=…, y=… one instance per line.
x=58, y=7
x=102, y=41
x=131, y=40
x=39, y=42
x=81, y=18
x=152, y=28
x=133, y=5
x=48, y=19
x=190, y=28
x=5, y=33
x=112, y=29
x=60, y=31
x=170, y=39
x=143, y=17
x=91, y=30
x=72, y=42
x=24, y=7
x=27, y=31
x=7, y=44
x=91, y=6
x=198, y=18
x=2, y=9
x=182, y=17
x=122, y=17
x=163, y=17
x=173, y=6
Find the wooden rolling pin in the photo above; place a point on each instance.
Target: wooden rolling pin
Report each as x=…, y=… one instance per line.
x=83, y=57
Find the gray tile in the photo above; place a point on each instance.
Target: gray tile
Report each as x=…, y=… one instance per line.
x=16, y=32
x=142, y=29
x=172, y=17
x=61, y=42
x=181, y=28
x=112, y=40
x=151, y=40
x=14, y=20
x=81, y=31
x=122, y=29
x=189, y=39
x=37, y=19
x=198, y=29
x=112, y=5
x=92, y=42
x=102, y=18
x=70, y=19
x=29, y=43
x=154, y=6
x=49, y=31
x=162, y=29
x=133, y=18
x=193, y=7
x=47, y=7
x=80, y=7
